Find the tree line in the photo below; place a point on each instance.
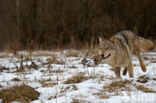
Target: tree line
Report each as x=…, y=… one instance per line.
x=49, y=24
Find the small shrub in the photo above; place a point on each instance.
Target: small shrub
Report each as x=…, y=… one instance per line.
x=76, y=79
x=54, y=60
x=118, y=85
x=145, y=89
x=72, y=54
x=21, y=93
x=102, y=95
x=16, y=79
x=143, y=79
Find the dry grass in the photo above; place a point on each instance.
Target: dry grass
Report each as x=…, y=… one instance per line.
x=54, y=60
x=78, y=101
x=57, y=71
x=145, y=89
x=16, y=79
x=41, y=53
x=3, y=56
x=3, y=68
x=71, y=87
x=48, y=84
x=19, y=71
x=153, y=61
x=19, y=93
x=26, y=59
x=102, y=95
x=118, y=85
x=78, y=78
x=68, y=88
x=143, y=79
x=72, y=54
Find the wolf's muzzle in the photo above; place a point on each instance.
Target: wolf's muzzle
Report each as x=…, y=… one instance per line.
x=104, y=56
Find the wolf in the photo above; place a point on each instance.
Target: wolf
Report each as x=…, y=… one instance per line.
x=118, y=50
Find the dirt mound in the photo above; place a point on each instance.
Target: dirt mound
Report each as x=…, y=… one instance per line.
x=22, y=93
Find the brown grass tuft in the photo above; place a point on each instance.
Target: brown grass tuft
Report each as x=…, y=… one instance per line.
x=54, y=60
x=77, y=79
x=3, y=68
x=56, y=71
x=16, y=79
x=145, y=89
x=102, y=95
x=143, y=79
x=19, y=71
x=49, y=84
x=78, y=101
x=118, y=85
x=72, y=54
x=22, y=93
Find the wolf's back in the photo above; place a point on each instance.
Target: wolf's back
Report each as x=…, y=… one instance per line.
x=135, y=42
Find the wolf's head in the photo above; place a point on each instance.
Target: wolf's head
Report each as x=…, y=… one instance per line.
x=107, y=51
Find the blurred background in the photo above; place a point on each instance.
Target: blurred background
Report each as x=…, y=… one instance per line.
x=47, y=24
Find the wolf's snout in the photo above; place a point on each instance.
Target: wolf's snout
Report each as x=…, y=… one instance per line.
x=102, y=55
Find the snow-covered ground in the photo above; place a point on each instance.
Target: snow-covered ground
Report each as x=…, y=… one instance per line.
x=51, y=73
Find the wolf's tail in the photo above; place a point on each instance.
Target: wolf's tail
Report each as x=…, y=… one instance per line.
x=144, y=45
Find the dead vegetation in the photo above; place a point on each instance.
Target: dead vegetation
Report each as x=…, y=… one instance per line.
x=143, y=79
x=78, y=78
x=54, y=60
x=15, y=79
x=77, y=101
x=41, y=53
x=3, y=68
x=102, y=95
x=19, y=71
x=68, y=88
x=72, y=54
x=145, y=89
x=48, y=84
x=57, y=71
x=122, y=85
x=21, y=93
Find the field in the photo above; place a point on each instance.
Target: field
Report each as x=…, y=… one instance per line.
x=70, y=76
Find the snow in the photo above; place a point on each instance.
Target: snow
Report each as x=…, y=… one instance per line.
x=84, y=91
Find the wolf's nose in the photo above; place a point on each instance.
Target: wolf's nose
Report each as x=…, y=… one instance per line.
x=102, y=55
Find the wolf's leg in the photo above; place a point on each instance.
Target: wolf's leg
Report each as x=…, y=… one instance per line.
x=130, y=70
x=117, y=72
x=125, y=71
x=143, y=67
